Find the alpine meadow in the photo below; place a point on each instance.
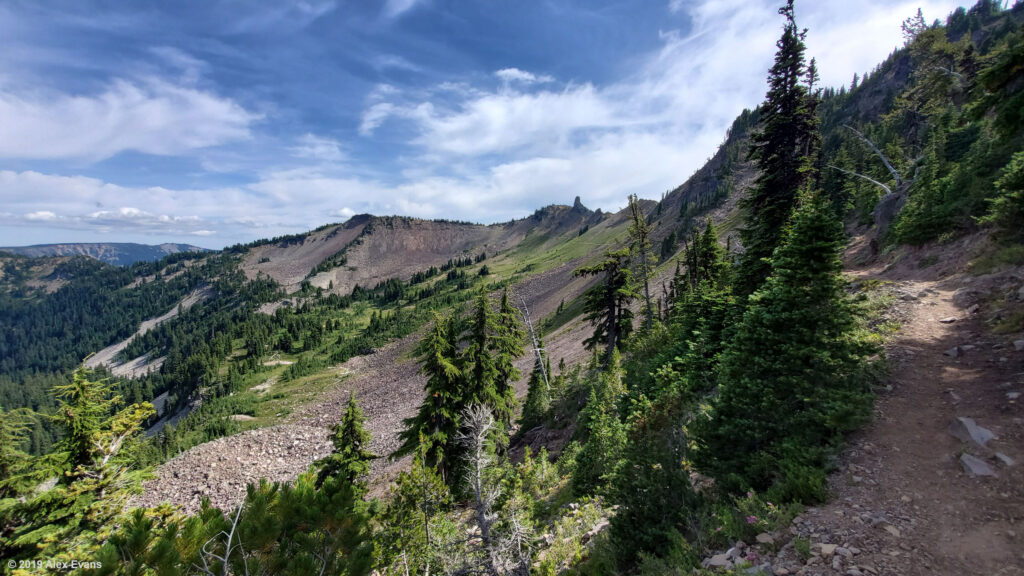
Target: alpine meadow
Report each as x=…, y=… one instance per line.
x=806, y=359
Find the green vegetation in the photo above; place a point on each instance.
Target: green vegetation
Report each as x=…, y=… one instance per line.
x=748, y=376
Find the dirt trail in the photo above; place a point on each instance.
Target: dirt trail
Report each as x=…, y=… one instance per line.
x=902, y=501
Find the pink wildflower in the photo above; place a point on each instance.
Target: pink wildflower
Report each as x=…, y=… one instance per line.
x=751, y=519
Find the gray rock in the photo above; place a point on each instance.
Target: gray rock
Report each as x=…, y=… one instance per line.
x=1020, y=293
x=974, y=308
x=827, y=550
x=1012, y=395
x=975, y=466
x=717, y=561
x=948, y=320
x=953, y=352
x=765, y=538
x=1006, y=460
x=967, y=429
x=1018, y=345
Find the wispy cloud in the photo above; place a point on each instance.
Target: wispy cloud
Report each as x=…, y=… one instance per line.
x=395, y=8
x=510, y=75
x=151, y=116
x=318, y=148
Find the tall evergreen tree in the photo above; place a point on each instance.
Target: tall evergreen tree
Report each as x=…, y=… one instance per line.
x=640, y=254
x=538, y=394
x=791, y=379
x=781, y=152
x=350, y=459
x=508, y=347
x=607, y=304
x=437, y=421
x=14, y=463
x=479, y=363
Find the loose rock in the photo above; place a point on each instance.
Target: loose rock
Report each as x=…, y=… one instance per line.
x=967, y=429
x=975, y=466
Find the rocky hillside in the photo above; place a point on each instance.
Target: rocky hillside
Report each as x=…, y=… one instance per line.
x=368, y=249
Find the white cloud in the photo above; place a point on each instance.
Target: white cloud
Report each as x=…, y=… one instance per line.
x=374, y=116
x=395, y=8
x=318, y=148
x=484, y=151
x=150, y=116
x=530, y=141
x=41, y=215
x=516, y=75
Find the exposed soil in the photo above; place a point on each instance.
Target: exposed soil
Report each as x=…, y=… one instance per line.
x=143, y=364
x=388, y=388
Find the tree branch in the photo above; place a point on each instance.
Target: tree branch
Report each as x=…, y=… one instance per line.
x=866, y=140
x=868, y=178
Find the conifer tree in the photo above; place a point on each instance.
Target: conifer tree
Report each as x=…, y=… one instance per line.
x=653, y=491
x=603, y=430
x=607, y=304
x=791, y=378
x=350, y=459
x=538, y=395
x=437, y=421
x=416, y=535
x=14, y=463
x=479, y=363
x=780, y=151
x=507, y=346
x=640, y=254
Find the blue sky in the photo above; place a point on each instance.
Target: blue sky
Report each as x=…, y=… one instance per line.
x=214, y=122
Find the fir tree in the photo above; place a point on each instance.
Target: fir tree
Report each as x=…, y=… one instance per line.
x=780, y=151
x=437, y=421
x=350, y=459
x=602, y=429
x=791, y=379
x=538, y=394
x=14, y=463
x=508, y=347
x=653, y=491
x=607, y=305
x=479, y=363
x=640, y=254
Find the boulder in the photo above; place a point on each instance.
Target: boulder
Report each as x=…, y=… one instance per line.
x=975, y=466
x=953, y=352
x=717, y=561
x=1006, y=460
x=967, y=430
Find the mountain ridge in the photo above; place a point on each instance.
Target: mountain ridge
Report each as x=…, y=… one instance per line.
x=116, y=253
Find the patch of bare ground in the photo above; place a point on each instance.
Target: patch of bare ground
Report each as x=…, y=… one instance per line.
x=143, y=364
x=903, y=498
x=387, y=386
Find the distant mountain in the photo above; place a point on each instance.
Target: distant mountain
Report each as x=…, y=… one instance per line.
x=116, y=253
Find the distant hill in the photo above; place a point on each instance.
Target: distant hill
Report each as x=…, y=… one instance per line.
x=116, y=253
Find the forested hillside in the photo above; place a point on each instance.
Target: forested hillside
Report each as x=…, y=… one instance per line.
x=729, y=356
